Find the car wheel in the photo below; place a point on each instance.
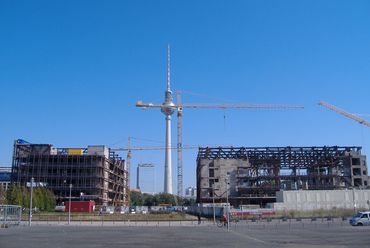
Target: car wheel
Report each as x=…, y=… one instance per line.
x=359, y=224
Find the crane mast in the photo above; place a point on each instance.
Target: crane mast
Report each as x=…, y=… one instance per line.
x=128, y=162
x=179, y=145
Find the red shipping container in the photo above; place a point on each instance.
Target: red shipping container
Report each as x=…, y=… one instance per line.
x=80, y=206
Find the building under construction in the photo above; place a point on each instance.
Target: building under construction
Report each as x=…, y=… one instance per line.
x=92, y=173
x=253, y=175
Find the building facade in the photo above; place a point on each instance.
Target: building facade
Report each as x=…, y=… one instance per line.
x=92, y=173
x=191, y=192
x=253, y=175
x=5, y=177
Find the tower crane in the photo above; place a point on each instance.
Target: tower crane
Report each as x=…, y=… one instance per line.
x=179, y=107
x=168, y=108
x=345, y=113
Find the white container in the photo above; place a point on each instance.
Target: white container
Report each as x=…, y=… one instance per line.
x=98, y=150
x=53, y=151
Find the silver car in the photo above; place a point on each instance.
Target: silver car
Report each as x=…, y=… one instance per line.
x=360, y=219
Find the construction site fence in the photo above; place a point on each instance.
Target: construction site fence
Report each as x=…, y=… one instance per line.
x=10, y=215
x=261, y=224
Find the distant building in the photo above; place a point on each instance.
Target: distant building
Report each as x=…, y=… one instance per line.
x=5, y=177
x=253, y=175
x=135, y=190
x=95, y=173
x=191, y=192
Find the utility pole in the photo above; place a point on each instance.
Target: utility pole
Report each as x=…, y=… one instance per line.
x=69, y=204
x=30, y=217
x=213, y=204
x=354, y=201
x=227, y=200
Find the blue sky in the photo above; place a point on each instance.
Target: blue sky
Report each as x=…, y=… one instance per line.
x=71, y=72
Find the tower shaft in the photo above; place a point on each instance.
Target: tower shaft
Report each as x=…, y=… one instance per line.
x=168, y=158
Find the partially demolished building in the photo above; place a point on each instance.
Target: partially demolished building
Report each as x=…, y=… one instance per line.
x=253, y=175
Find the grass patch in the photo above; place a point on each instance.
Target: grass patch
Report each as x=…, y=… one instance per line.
x=320, y=213
x=51, y=216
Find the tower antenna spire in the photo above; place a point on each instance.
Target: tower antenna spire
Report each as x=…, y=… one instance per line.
x=168, y=68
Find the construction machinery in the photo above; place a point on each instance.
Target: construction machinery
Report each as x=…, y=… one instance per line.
x=344, y=113
x=168, y=108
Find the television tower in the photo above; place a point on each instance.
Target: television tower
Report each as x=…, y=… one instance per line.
x=168, y=109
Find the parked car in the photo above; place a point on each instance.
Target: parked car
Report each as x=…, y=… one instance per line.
x=107, y=210
x=360, y=219
x=60, y=208
x=121, y=210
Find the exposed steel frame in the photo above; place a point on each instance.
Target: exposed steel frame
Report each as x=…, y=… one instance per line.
x=270, y=169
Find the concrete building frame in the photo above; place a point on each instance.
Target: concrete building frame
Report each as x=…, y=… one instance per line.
x=94, y=172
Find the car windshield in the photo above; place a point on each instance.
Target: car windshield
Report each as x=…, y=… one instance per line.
x=358, y=215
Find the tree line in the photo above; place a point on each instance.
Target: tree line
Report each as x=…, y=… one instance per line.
x=144, y=199
x=42, y=198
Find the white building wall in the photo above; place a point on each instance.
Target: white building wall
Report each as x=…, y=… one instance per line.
x=306, y=200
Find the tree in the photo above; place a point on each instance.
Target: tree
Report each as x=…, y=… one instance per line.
x=14, y=195
x=165, y=198
x=42, y=198
x=136, y=198
x=139, y=199
x=25, y=195
x=2, y=195
x=188, y=202
x=48, y=199
x=150, y=200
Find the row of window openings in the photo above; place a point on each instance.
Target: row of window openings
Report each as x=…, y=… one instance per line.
x=357, y=161
x=59, y=163
x=248, y=172
x=357, y=172
x=66, y=182
x=64, y=172
x=53, y=170
x=358, y=182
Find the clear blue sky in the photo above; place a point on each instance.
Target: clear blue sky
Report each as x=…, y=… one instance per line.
x=71, y=72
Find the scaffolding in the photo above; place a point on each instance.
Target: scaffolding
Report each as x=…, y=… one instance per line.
x=258, y=172
x=98, y=176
